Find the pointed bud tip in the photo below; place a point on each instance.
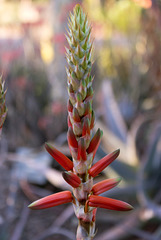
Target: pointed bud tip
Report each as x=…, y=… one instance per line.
x=77, y=8
x=118, y=179
x=31, y=205
x=129, y=207
x=64, y=161
x=47, y=145
x=117, y=152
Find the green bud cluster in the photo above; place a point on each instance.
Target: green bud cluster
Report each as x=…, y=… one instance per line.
x=78, y=57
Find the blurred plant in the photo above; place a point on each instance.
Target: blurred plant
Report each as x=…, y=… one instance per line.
x=138, y=166
x=128, y=53
x=28, y=98
x=3, y=108
x=151, y=29
x=80, y=172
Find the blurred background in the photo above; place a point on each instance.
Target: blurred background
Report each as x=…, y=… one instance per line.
x=127, y=104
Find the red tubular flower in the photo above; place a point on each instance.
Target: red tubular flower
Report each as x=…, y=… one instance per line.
x=108, y=203
x=72, y=179
x=103, y=163
x=105, y=185
x=52, y=200
x=65, y=162
x=82, y=149
x=94, y=144
x=72, y=141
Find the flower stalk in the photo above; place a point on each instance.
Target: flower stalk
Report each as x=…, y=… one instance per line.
x=80, y=172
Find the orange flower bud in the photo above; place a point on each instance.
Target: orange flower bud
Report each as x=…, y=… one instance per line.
x=103, y=163
x=52, y=200
x=72, y=141
x=72, y=179
x=94, y=144
x=65, y=162
x=105, y=185
x=108, y=203
x=82, y=149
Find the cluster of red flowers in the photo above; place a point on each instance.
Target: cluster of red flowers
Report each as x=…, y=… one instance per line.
x=93, y=200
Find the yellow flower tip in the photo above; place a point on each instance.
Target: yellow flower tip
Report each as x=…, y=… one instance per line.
x=31, y=205
x=130, y=207
x=118, y=179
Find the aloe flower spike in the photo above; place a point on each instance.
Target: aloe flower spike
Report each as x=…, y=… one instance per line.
x=81, y=118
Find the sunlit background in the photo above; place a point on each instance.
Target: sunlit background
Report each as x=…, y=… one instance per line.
x=127, y=103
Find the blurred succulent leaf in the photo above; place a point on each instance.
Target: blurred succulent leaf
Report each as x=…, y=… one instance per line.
x=55, y=178
x=150, y=172
x=111, y=142
x=32, y=165
x=112, y=114
x=124, y=170
x=153, y=162
x=150, y=175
